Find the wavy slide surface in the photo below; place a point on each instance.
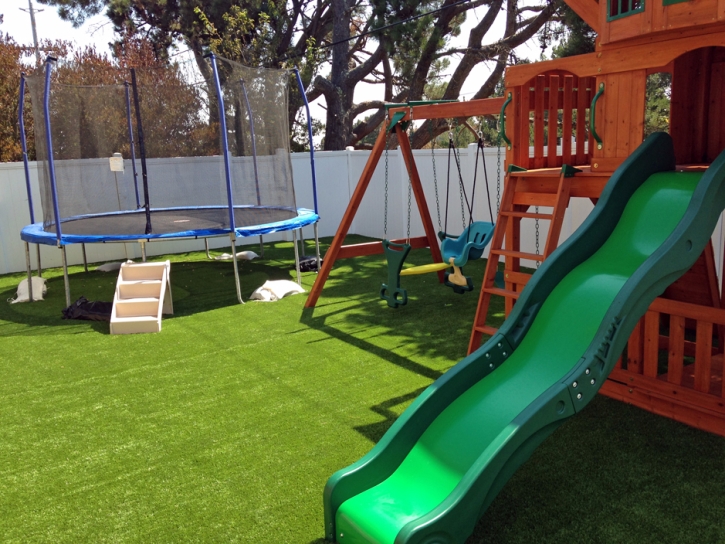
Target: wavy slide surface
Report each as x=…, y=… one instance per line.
x=438, y=468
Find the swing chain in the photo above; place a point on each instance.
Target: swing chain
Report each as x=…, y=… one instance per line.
x=410, y=184
x=385, y=215
x=536, y=227
x=451, y=145
x=498, y=175
x=435, y=175
x=409, y=198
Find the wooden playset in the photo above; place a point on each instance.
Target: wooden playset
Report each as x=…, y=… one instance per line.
x=568, y=124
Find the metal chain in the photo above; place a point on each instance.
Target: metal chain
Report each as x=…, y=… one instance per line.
x=409, y=195
x=410, y=184
x=435, y=175
x=498, y=175
x=536, y=227
x=385, y=215
x=460, y=178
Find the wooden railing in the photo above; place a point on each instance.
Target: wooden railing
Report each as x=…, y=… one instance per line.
x=554, y=112
x=674, y=364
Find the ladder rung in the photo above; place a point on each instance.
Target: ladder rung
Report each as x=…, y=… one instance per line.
x=528, y=215
x=518, y=254
x=536, y=199
x=487, y=330
x=501, y=292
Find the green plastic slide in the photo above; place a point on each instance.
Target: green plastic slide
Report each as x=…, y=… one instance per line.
x=434, y=473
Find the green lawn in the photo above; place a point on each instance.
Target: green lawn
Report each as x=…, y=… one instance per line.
x=225, y=426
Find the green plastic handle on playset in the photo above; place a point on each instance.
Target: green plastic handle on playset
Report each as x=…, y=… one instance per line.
x=502, y=122
x=593, y=116
x=436, y=470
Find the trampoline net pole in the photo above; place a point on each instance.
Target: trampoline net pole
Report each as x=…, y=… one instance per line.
x=309, y=135
x=40, y=268
x=66, y=281
x=49, y=143
x=254, y=139
x=30, y=272
x=236, y=267
x=317, y=246
x=142, y=151
x=24, y=145
x=132, y=143
x=297, y=258
x=224, y=141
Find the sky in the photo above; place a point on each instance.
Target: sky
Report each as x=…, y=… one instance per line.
x=98, y=30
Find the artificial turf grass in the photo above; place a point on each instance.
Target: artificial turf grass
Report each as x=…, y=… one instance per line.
x=226, y=425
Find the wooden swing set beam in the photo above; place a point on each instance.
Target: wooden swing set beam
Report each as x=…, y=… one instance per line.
x=451, y=110
x=447, y=110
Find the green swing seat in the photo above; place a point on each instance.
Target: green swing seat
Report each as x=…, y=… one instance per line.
x=469, y=245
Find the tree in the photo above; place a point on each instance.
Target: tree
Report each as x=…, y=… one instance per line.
x=10, y=67
x=15, y=59
x=657, y=103
x=569, y=34
x=399, y=44
x=258, y=33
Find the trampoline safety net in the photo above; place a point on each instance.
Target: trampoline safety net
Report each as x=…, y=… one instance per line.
x=166, y=128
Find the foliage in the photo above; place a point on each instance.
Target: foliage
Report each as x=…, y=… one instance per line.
x=263, y=33
x=88, y=106
x=568, y=33
x=657, y=103
x=10, y=67
x=14, y=60
x=362, y=42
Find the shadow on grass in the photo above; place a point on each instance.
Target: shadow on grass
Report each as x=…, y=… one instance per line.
x=375, y=431
x=197, y=285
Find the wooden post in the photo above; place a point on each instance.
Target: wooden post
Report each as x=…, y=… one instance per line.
x=334, y=249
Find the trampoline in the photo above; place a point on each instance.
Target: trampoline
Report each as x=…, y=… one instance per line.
x=156, y=155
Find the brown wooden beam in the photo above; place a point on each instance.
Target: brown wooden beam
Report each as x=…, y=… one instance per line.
x=449, y=110
x=332, y=253
x=611, y=61
x=376, y=248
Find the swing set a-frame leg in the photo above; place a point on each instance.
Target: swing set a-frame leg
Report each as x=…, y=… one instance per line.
x=334, y=251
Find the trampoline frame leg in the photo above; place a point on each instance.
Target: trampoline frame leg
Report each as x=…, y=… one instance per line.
x=40, y=268
x=297, y=257
x=66, y=281
x=317, y=247
x=143, y=250
x=206, y=245
x=30, y=272
x=85, y=259
x=232, y=239
x=261, y=247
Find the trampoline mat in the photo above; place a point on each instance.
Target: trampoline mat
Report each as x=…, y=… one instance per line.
x=171, y=221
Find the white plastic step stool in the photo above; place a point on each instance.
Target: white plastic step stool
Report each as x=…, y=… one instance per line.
x=143, y=293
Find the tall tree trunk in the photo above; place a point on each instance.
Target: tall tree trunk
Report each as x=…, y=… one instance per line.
x=339, y=96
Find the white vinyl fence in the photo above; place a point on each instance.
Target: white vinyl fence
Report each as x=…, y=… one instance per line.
x=337, y=175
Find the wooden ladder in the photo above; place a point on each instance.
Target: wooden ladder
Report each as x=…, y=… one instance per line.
x=522, y=190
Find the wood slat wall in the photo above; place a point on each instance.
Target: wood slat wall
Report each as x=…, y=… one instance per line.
x=552, y=108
